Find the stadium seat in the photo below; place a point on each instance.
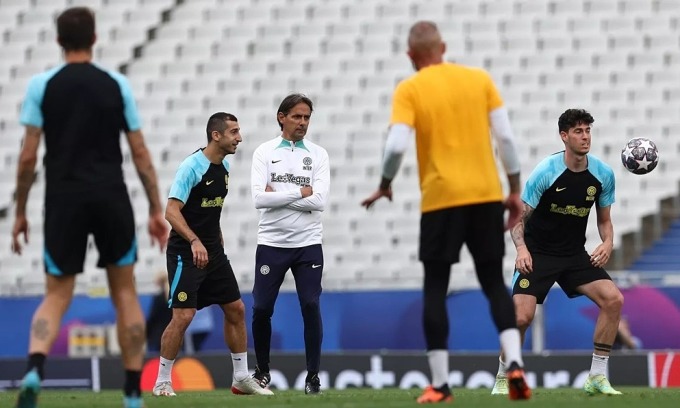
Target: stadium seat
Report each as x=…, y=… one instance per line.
x=617, y=58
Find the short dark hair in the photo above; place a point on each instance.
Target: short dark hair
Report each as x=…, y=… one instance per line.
x=75, y=29
x=218, y=123
x=574, y=117
x=289, y=103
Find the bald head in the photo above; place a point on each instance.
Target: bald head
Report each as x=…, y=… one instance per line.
x=424, y=37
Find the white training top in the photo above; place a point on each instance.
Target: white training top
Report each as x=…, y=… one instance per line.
x=286, y=219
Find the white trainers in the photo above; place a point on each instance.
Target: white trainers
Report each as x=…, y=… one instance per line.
x=501, y=385
x=248, y=386
x=164, y=389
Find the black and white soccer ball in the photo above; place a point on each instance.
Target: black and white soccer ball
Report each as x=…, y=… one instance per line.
x=640, y=155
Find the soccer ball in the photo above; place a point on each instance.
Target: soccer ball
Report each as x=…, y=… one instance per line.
x=639, y=155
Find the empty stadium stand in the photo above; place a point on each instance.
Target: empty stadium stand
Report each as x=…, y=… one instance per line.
x=620, y=59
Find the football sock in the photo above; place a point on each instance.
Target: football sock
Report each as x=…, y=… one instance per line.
x=37, y=361
x=132, y=386
x=439, y=366
x=510, y=343
x=502, y=369
x=599, y=365
x=240, y=362
x=165, y=370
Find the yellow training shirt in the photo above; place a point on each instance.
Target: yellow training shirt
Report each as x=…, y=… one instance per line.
x=448, y=105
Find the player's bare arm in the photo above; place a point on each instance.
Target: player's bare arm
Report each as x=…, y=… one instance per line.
x=25, y=176
x=523, y=262
x=513, y=202
x=158, y=229
x=173, y=213
x=603, y=252
x=145, y=169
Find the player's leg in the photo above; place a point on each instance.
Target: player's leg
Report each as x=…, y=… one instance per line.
x=528, y=291
x=486, y=242
x=220, y=288
x=185, y=279
x=112, y=223
x=596, y=284
x=64, y=254
x=44, y=330
x=307, y=271
x=440, y=243
x=271, y=265
x=130, y=325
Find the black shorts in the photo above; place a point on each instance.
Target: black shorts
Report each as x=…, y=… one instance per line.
x=480, y=226
x=569, y=272
x=68, y=223
x=191, y=287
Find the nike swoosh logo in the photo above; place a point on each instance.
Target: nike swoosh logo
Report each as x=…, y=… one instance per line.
x=275, y=161
x=207, y=183
x=560, y=189
x=315, y=266
x=237, y=359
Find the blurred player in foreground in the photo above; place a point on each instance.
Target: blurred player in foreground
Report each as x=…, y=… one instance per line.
x=82, y=109
x=199, y=272
x=451, y=110
x=550, y=239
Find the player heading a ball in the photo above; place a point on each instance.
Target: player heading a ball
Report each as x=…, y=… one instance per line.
x=640, y=155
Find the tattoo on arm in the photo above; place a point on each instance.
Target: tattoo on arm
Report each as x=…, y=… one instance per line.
x=26, y=167
x=517, y=233
x=40, y=330
x=145, y=169
x=147, y=175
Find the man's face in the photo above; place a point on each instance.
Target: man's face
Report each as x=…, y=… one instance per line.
x=296, y=122
x=229, y=140
x=577, y=139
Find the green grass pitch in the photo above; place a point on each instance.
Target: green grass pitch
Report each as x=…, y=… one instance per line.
x=355, y=398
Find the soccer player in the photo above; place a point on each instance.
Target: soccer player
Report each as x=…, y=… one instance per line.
x=82, y=108
x=199, y=272
x=550, y=238
x=290, y=180
x=451, y=110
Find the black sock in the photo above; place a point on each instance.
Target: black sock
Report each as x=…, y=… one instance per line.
x=132, y=386
x=37, y=361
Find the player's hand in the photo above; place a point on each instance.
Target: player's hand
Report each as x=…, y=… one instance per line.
x=523, y=262
x=379, y=193
x=268, y=189
x=514, y=205
x=601, y=254
x=20, y=227
x=158, y=230
x=306, y=191
x=200, y=254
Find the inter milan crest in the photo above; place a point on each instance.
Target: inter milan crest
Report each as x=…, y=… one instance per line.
x=307, y=163
x=591, y=191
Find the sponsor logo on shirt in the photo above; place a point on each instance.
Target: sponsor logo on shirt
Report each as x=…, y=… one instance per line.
x=290, y=178
x=570, y=210
x=208, y=203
